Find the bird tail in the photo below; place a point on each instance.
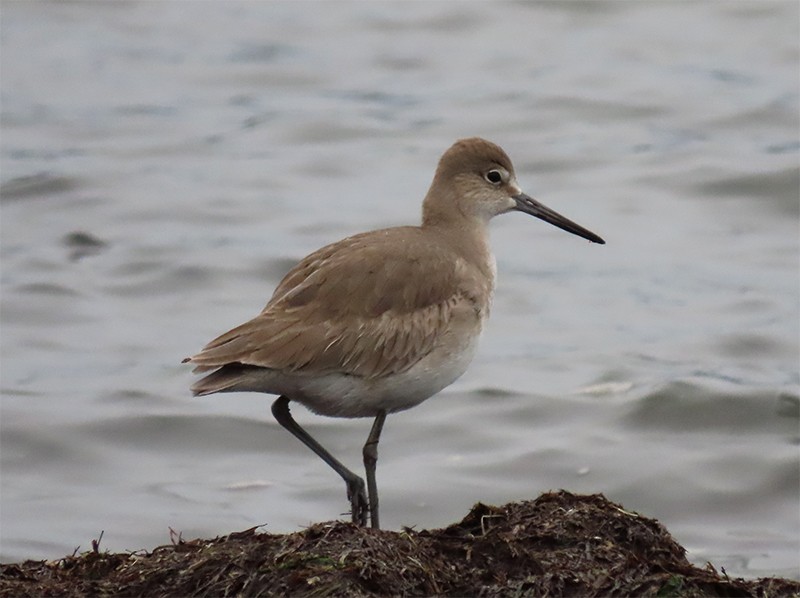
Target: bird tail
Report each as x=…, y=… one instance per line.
x=232, y=377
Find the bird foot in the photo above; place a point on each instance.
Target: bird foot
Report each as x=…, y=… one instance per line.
x=359, y=505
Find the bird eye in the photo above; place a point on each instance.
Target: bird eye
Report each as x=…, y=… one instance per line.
x=494, y=177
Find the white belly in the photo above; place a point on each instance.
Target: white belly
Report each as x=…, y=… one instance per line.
x=340, y=395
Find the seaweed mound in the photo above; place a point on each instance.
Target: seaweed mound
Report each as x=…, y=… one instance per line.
x=560, y=544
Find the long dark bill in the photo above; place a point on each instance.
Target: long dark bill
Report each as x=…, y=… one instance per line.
x=527, y=204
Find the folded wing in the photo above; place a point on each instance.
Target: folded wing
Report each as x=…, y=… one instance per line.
x=352, y=307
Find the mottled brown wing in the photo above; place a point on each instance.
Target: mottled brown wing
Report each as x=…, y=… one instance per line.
x=370, y=305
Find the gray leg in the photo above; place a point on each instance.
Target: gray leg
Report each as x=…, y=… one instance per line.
x=370, y=461
x=355, y=485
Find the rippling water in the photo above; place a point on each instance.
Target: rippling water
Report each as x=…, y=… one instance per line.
x=163, y=164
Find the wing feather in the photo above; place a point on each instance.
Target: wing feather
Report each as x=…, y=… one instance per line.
x=361, y=307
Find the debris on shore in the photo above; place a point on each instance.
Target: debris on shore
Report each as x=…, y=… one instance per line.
x=560, y=544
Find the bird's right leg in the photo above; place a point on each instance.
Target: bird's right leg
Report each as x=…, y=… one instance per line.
x=356, y=491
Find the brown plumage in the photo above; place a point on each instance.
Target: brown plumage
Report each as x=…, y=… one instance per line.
x=380, y=321
x=348, y=308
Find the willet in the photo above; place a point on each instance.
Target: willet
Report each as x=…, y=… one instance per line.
x=380, y=321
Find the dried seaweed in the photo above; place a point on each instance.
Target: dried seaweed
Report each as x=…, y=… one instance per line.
x=560, y=544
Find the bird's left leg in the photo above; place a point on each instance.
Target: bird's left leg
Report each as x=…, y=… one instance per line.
x=370, y=453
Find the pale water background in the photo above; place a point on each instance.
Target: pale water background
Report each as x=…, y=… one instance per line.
x=164, y=163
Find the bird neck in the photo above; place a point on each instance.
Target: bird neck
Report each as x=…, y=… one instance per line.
x=467, y=235
x=445, y=206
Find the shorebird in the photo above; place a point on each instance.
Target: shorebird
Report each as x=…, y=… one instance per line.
x=381, y=321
